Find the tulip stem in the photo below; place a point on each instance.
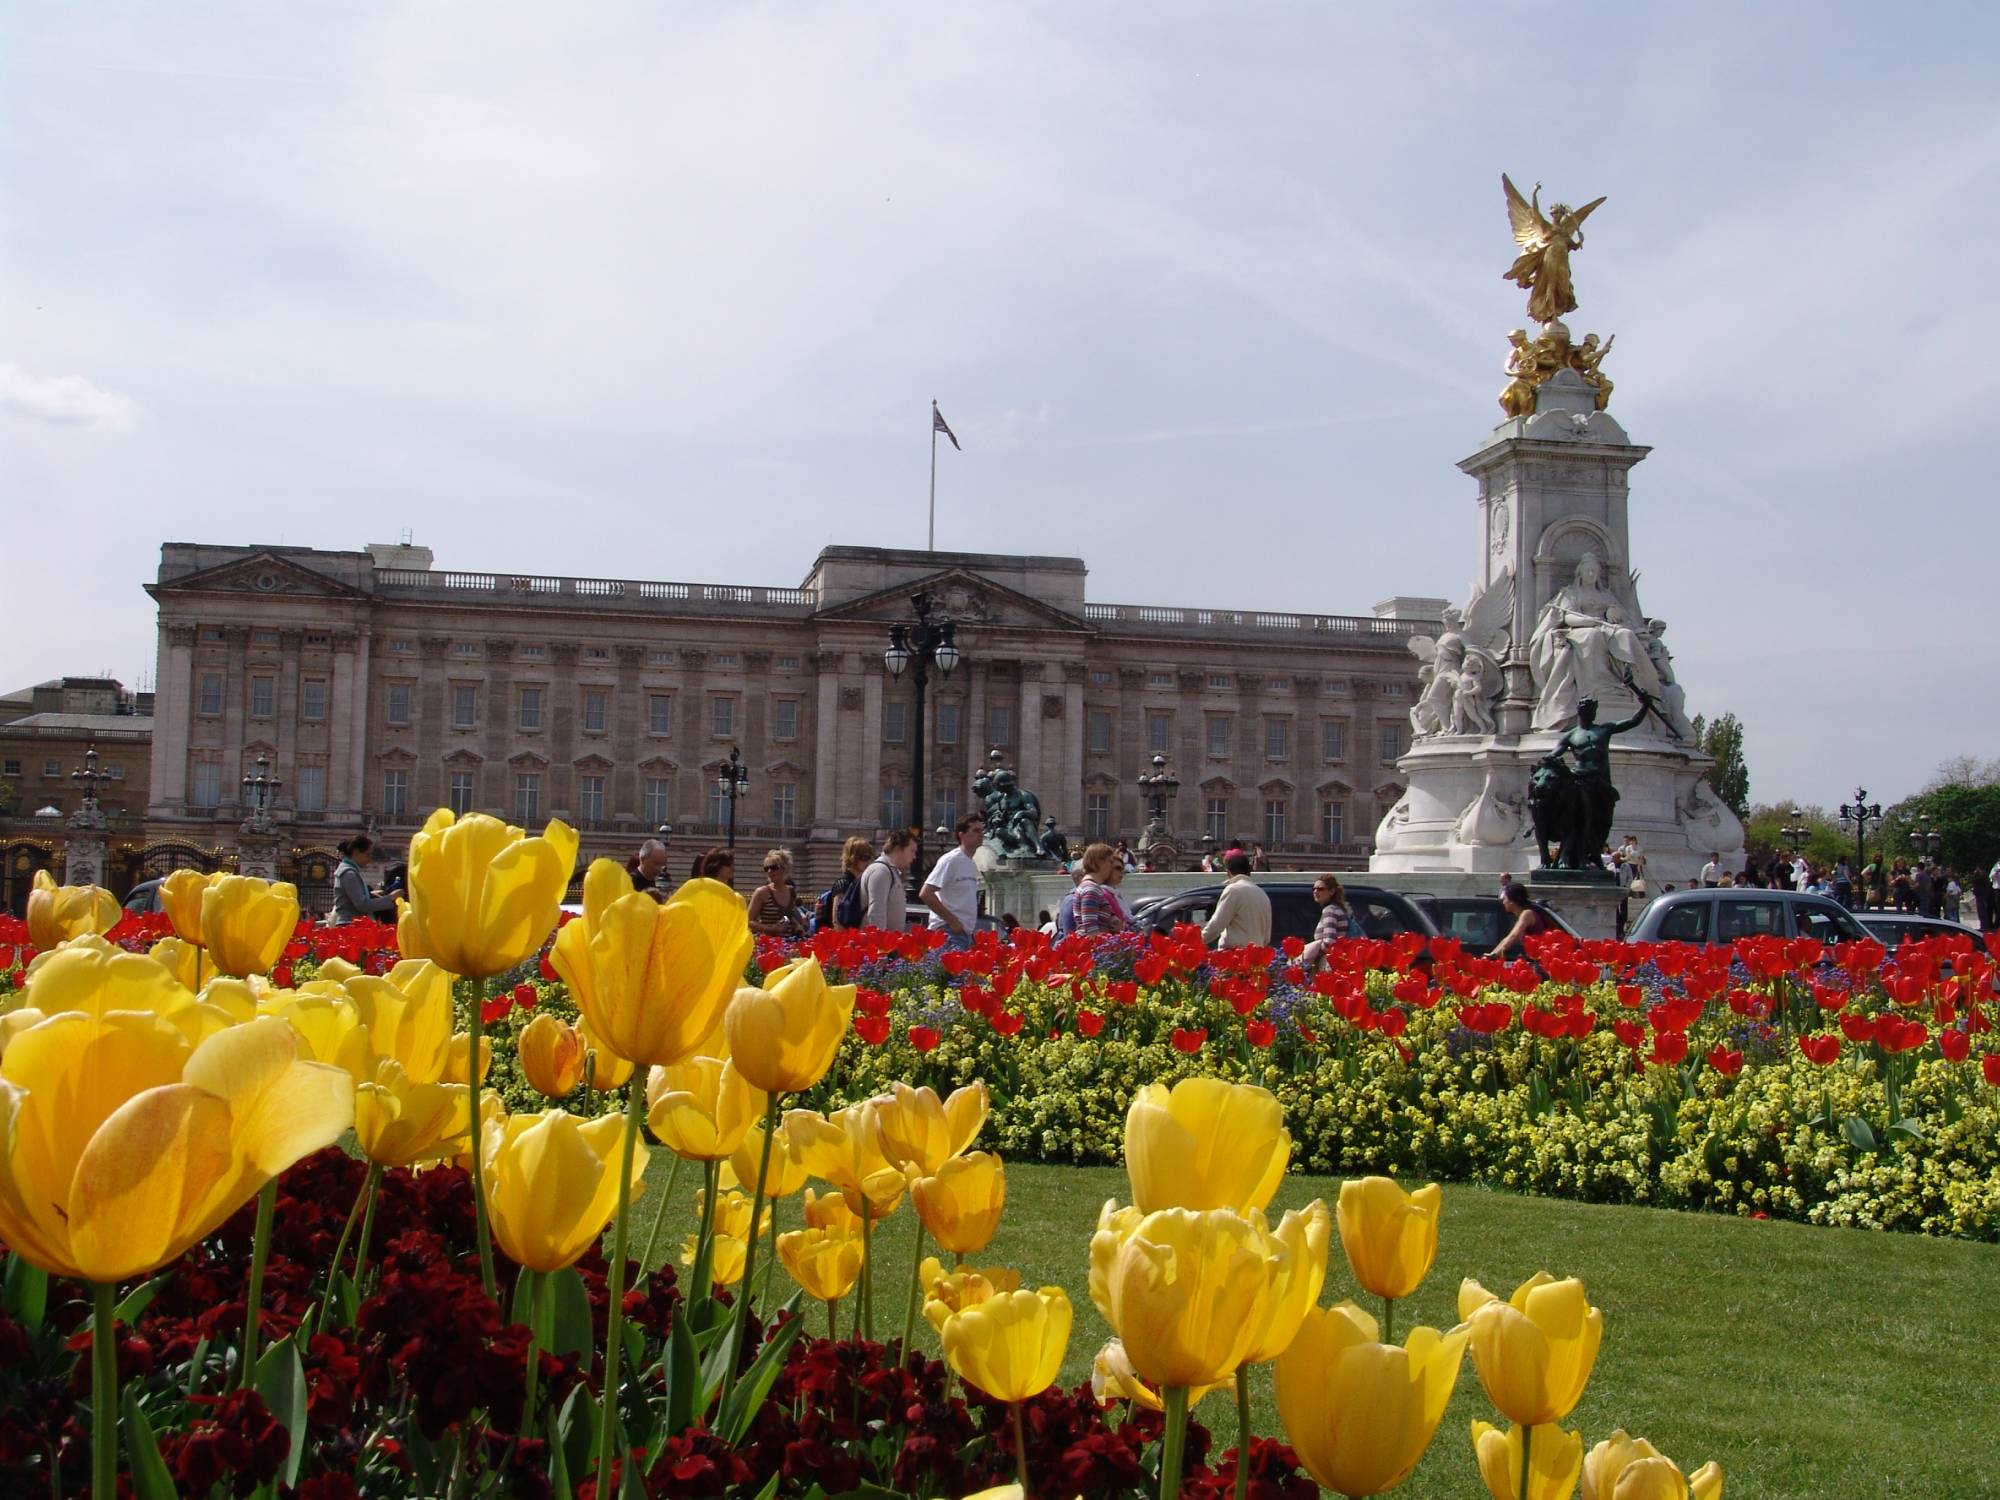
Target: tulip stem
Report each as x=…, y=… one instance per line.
x=750, y=1240
x=340, y=1250
x=1527, y=1439
x=104, y=1391
x=1242, y=1431
x=916, y=1285
x=647, y=1265
x=614, y=1327
x=701, y=1279
x=1388, y=1320
x=537, y=1284
x=867, y=1271
x=1175, y=1399
x=832, y=1320
x=253, y=1297
x=1020, y=1447
x=373, y=1190
x=475, y=1032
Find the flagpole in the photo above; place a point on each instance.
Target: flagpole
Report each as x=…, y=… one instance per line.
x=932, y=547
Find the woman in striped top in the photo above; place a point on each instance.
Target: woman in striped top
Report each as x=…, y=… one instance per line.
x=1098, y=909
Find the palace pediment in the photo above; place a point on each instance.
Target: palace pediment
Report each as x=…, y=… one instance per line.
x=961, y=595
x=260, y=573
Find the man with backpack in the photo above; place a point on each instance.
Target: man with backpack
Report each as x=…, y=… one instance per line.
x=840, y=904
x=881, y=884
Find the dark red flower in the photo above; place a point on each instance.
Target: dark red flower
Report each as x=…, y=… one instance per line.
x=1990, y=1066
x=1261, y=1033
x=1007, y=1023
x=1189, y=1041
x=874, y=1030
x=1955, y=1045
x=1726, y=1062
x=1089, y=1022
x=924, y=1038
x=1821, y=1049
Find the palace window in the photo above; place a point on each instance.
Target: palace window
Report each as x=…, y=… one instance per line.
x=312, y=698
x=1333, y=821
x=464, y=705
x=461, y=792
x=527, y=797
x=1277, y=739
x=1000, y=725
x=263, y=697
x=398, y=709
x=1274, y=820
x=1392, y=742
x=1102, y=676
x=595, y=701
x=785, y=719
x=892, y=807
x=207, y=784
x=1221, y=681
x=947, y=723
x=312, y=789
x=590, y=799
x=895, y=725
x=659, y=713
x=1097, y=817
x=1216, y=818
x=395, y=793
x=1218, y=734
x=1160, y=679
x=1100, y=731
x=722, y=717
x=653, y=808
x=531, y=708
x=1333, y=740
x=211, y=693
x=1159, y=733
x=785, y=803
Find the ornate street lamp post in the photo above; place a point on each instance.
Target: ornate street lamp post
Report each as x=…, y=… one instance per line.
x=259, y=790
x=914, y=647
x=1860, y=812
x=733, y=780
x=1797, y=834
x=1925, y=838
x=86, y=779
x=1159, y=787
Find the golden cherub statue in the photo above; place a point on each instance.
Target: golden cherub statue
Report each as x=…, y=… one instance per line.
x=1542, y=268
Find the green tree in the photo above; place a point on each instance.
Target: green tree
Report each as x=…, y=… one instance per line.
x=1966, y=815
x=1763, y=832
x=1729, y=777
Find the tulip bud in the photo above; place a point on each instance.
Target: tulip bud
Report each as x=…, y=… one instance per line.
x=1534, y=1352
x=1011, y=1346
x=246, y=922
x=1555, y=1458
x=961, y=1203
x=1205, y=1144
x=57, y=913
x=551, y=1056
x=826, y=1263
x=180, y=899
x=1390, y=1236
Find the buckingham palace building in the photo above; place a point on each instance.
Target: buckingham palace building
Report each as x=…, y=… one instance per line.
x=376, y=686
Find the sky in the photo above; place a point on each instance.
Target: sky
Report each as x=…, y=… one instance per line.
x=1211, y=295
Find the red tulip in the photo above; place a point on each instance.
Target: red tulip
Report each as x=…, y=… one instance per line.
x=548, y=970
x=1392, y=1022
x=490, y=1011
x=1894, y=1035
x=1293, y=946
x=1261, y=1033
x=525, y=996
x=1670, y=1048
x=1189, y=1041
x=1089, y=1022
x=1726, y=1062
x=1631, y=1033
x=1007, y=1022
x=924, y=1038
x=1151, y=969
x=1990, y=1066
x=874, y=1030
x=955, y=962
x=1486, y=1019
x=1124, y=991
x=1821, y=1049
x=1858, y=1028
x=1955, y=1044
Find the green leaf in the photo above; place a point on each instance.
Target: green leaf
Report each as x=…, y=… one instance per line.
x=150, y=1479
x=139, y=1299
x=683, y=1380
x=576, y=1430
x=1860, y=1134
x=197, y=1366
x=281, y=1381
x=734, y=1421
x=770, y=1485
x=523, y=1299
x=569, y=1314
x=26, y=1292
x=1913, y=1128
x=559, y=1487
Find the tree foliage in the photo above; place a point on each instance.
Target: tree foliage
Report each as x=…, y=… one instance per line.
x=1965, y=814
x=1763, y=833
x=1729, y=777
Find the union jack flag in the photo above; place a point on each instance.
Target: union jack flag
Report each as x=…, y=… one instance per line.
x=938, y=424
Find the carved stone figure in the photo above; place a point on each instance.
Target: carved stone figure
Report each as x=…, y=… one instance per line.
x=1013, y=814
x=1574, y=808
x=1542, y=267
x=1583, y=645
x=1479, y=632
x=1673, y=698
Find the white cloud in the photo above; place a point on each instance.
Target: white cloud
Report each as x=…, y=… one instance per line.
x=64, y=400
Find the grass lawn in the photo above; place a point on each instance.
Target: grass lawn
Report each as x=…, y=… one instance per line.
x=1808, y=1362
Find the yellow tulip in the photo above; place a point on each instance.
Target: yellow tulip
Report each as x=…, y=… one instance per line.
x=960, y=1203
x=784, y=1036
x=920, y=1133
x=1205, y=1144
x=726, y=1257
x=57, y=913
x=552, y=1184
x=828, y=1211
x=608, y=1070
x=246, y=922
x=459, y=1050
x=999, y=1492
x=968, y=1286
x=1011, y=1346
x=1555, y=1458
x=843, y=1150
x=732, y=1214
x=328, y=1026
x=1183, y=1289
x=89, y=975
x=1360, y=1413
x=179, y=958
x=1296, y=1279
x=1390, y=1236
x=398, y=1122
x=701, y=1109
x=826, y=1263
x=122, y=1148
x=1112, y=1378
x=786, y=1173
x=1533, y=1352
x=551, y=1056
x=407, y=1013
x=180, y=899
x=651, y=978
x=492, y=1111
x=340, y=971
x=483, y=896
x=1629, y=1468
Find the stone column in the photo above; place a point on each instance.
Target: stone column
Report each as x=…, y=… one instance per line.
x=341, y=799
x=868, y=794
x=285, y=763
x=972, y=726
x=1028, y=735
x=624, y=797
x=173, y=708
x=691, y=733
x=1065, y=802
x=433, y=713
x=821, y=816
x=84, y=849
x=257, y=850
x=235, y=711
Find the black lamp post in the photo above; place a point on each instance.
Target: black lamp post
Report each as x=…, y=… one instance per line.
x=258, y=790
x=1159, y=786
x=733, y=780
x=1797, y=833
x=915, y=646
x=1860, y=812
x=87, y=778
x=1925, y=838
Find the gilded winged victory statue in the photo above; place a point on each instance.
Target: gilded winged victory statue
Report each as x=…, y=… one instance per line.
x=1542, y=267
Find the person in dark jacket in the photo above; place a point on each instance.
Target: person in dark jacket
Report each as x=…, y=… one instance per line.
x=352, y=899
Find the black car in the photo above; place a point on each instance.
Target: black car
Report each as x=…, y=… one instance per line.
x=145, y=896
x=1895, y=927
x=1722, y=915
x=1294, y=913
x=1479, y=922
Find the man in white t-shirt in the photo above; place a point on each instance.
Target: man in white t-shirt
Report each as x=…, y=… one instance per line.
x=1711, y=873
x=951, y=890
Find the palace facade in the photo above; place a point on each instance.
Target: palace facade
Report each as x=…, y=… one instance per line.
x=378, y=686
